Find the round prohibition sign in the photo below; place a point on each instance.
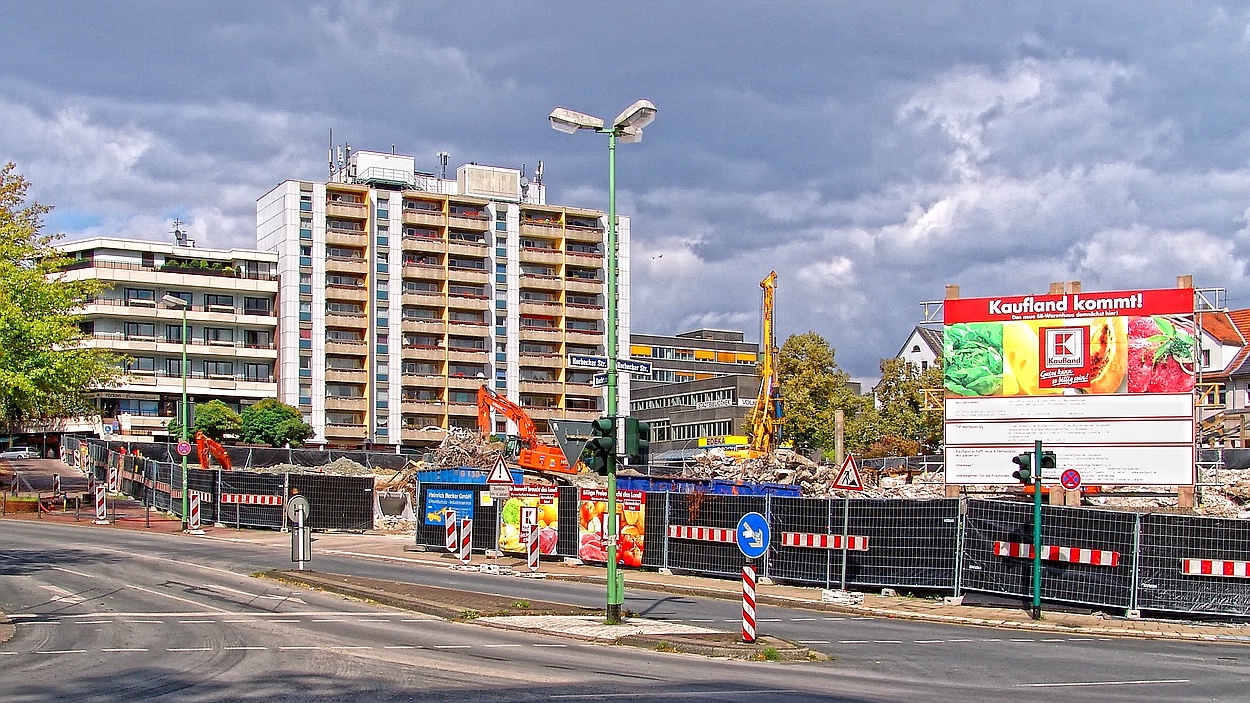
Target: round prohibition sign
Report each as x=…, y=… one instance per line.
x=1070, y=479
x=184, y=448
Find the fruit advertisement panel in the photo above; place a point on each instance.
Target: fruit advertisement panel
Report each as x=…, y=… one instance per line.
x=592, y=526
x=528, y=505
x=1104, y=379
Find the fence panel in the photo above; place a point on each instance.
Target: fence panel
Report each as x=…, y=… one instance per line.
x=435, y=497
x=911, y=543
x=655, y=530
x=263, y=486
x=1167, y=540
x=568, y=509
x=800, y=564
x=715, y=511
x=336, y=502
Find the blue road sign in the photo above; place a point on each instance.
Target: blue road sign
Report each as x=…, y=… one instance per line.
x=584, y=361
x=631, y=366
x=753, y=535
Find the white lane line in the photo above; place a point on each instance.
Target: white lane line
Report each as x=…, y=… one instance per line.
x=284, y=621
x=61, y=651
x=371, y=620
x=351, y=646
x=1020, y=639
x=927, y=641
x=23, y=615
x=240, y=649
x=180, y=599
x=196, y=622
x=124, y=649
x=768, y=619
x=502, y=645
x=188, y=649
x=813, y=641
x=240, y=620
x=7, y=654
x=550, y=645
x=42, y=622
x=144, y=622
x=452, y=646
x=71, y=571
x=852, y=641
x=833, y=619
x=400, y=646
x=987, y=639
x=413, y=620
x=701, y=620
x=298, y=647
x=587, y=645
x=328, y=620
x=801, y=619
x=1073, y=684
x=887, y=641
x=963, y=639
x=89, y=622
x=1053, y=639
x=1080, y=639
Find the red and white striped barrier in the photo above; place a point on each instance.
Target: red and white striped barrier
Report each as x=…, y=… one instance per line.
x=112, y=478
x=706, y=534
x=816, y=540
x=466, y=541
x=101, y=509
x=531, y=548
x=250, y=499
x=748, y=604
x=452, y=534
x=1215, y=567
x=193, y=522
x=1074, y=555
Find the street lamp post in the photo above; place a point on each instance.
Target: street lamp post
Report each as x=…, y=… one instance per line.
x=175, y=302
x=627, y=127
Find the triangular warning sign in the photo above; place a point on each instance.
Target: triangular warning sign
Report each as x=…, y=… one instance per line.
x=848, y=478
x=500, y=473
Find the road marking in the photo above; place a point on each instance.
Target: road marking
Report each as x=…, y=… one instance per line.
x=298, y=647
x=1054, y=639
x=368, y=620
x=71, y=571
x=833, y=619
x=852, y=641
x=328, y=620
x=90, y=622
x=1080, y=639
x=413, y=620
x=61, y=651
x=62, y=595
x=887, y=641
x=284, y=621
x=180, y=599
x=503, y=645
x=550, y=645
x=987, y=639
x=1021, y=639
x=768, y=619
x=707, y=620
x=196, y=622
x=24, y=615
x=452, y=646
x=962, y=640
x=927, y=641
x=235, y=649
x=350, y=646
x=813, y=641
x=400, y=646
x=240, y=620
x=123, y=649
x=144, y=622
x=1071, y=684
x=188, y=649
x=801, y=619
x=670, y=694
x=6, y=654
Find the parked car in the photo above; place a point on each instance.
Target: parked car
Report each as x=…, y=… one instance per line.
x=20, y=453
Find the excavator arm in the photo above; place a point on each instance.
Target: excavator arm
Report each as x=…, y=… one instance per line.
x=205, y=446
x=534, y=453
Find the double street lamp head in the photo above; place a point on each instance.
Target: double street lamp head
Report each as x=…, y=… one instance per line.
x=627, y=126
x=173, y=302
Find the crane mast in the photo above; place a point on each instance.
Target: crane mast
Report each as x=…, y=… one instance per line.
x=767, y=418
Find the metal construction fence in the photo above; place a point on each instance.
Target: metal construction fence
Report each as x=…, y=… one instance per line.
x=237, y=498
x=1098, y=558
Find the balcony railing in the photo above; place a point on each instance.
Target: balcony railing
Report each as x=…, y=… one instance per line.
x=149, y=305
x=122, y=336
x=226, y=272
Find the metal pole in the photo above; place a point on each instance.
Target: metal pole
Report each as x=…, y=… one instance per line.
x=185, y=414
x=1037, y=529
x=616, y=588
x=846, y=530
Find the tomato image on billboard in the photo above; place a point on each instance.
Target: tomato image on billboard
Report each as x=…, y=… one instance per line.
x=1160, y=355
x=592, y=526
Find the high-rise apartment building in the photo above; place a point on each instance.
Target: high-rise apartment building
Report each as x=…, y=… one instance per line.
x=231, y=325
x=402, y=293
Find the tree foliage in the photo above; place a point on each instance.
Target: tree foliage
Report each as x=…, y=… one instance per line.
x=274, y=423
x=44, y=372
x=898, y=425
x=214, y=418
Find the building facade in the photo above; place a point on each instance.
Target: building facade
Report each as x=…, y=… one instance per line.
x=231, y=326
x=406, y=292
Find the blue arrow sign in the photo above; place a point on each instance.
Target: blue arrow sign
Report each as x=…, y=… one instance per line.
x=753, y=535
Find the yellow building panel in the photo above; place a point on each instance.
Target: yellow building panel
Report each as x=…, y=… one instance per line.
x=725, y=357
x=638, y=350
x=747, y=358
x=702, y=376
x=704, y=355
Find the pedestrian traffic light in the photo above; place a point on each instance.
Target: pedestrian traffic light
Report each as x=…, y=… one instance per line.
x=601, y=445
x=637, y=441
x=1049, y=461
x=1024, y=470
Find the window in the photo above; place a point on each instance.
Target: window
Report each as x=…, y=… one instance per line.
x=533, y=348
x=915, y=349
x=458, y=263
x=423, y=341
x=344, y=308
x=212, y=299
x=341, y=335
x=538, y=375
x=257, y=372
x=140, y=295
x=173, y=367
x=467, y=370
x=468, y=291
x=260, y=306
x=180, y=295
x=173, y=333
x=218, y=335
x=343, y=390
x=464, y=397
x=421, y=287
x=413, y=313
x=345, y=363
x=346, y=281
x=474, y=318
x=342, y=418
x=471, y=343
x=142, y=364
x=140, y=330
x=219, y=368
x=87, y=328
x=423, y=395
x=305, y=362
x=420, y=368
x=583, y=325
x=258, y=339
x=344, y=253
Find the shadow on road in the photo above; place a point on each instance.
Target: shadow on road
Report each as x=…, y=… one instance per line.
x=23, y=562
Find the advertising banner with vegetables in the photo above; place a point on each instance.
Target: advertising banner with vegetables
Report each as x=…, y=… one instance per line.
x=631, y=520
x=1047, y=352
x=528, y=505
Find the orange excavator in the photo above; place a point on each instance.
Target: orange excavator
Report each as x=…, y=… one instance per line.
x=205, y=446
x=534, y=454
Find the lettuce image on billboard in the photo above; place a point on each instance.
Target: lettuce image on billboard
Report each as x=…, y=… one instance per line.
x=973, y=358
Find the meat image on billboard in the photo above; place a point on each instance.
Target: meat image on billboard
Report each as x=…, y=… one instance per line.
x=1104, y=379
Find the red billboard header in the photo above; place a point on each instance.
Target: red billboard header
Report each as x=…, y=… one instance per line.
x=1164, y=301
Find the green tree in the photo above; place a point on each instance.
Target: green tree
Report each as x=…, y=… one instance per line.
x=274, y=423
x=899, y=425
x=44, y=371
x=214, y=418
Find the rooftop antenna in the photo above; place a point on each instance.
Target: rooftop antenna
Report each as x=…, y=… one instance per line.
x=330, y=155
x=538, y=173
x=442, y=164
x=180, y=236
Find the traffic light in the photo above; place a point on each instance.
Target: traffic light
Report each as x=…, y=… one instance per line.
x=601, y=445
x=1049, y=461
x=637, y=441
x=1024, y=470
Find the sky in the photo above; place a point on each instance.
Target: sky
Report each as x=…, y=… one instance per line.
x=870, y=153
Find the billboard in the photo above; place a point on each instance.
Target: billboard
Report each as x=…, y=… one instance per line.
x=529, y=505
x=1104, y=379
x=592, y=526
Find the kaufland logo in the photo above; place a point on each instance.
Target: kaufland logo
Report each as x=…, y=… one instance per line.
x=1065, y=347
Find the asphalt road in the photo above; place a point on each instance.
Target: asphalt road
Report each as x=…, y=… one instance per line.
x=120, y=615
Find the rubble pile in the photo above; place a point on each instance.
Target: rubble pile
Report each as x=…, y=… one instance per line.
x=464, y=447
x=813, y=480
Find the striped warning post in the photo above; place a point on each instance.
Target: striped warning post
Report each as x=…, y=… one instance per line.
x=1215, y=567
x=250, y=499
x=112, y=478
x=706, y=534
x=101, y=510
x=451, y=538
x=531, y=548
x=748, y=604
x=816, y=540
x=466, y=541
x=1072, y=555
x=193, y=522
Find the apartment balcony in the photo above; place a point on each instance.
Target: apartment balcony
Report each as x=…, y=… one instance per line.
x=342, y=432
x=461, y=220
x=356, y=294
x=336, y=264
x=353, y=348
x=584, y=312
x=545, y=283
x=542, y=361
x=348, y=238
x=424, y=436
x=426, y=299
x=582, y=415
x=553, y=388
x=423, y=245
x=546, y=230
x=338, y=319
x=466, y=354
x=424, y=217
x=424, y=354
x=473, y=276
x=583, y=285
x=340, y=209
x=535, y=255
x=417, y=324
x=541, y=414
x=462, y=248
x=586, y=235
x=464, y=383
x=583, y=337
x=541, y=308
x=467, y=302
x=346, y=375
x=577, y=258
x=541, y=334
x=436, y=381
x=341, y=403
x=424, y=272
x=423, y=407
x=462, y=410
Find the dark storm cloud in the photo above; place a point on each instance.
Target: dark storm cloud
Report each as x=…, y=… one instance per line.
x=868, y=153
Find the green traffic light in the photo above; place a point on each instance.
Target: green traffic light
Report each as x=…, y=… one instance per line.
x=1023, y=474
